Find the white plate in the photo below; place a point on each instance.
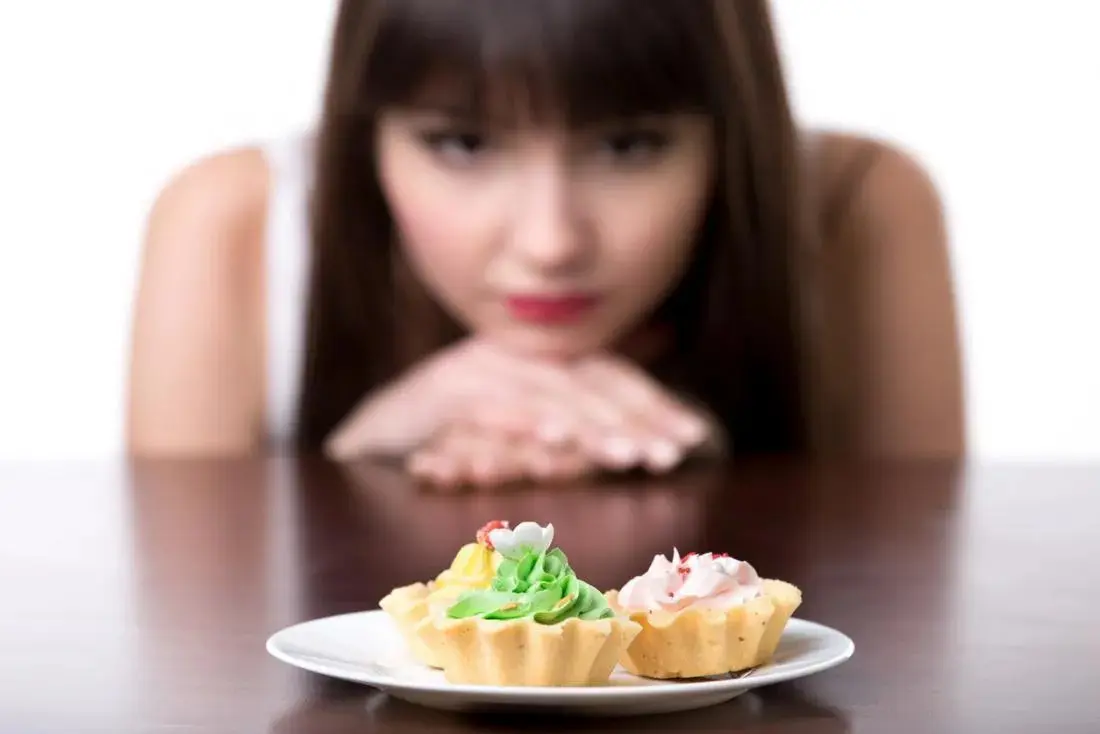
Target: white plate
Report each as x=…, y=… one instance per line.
x=366, y=648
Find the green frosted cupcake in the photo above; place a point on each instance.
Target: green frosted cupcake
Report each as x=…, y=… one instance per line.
x=537, y=625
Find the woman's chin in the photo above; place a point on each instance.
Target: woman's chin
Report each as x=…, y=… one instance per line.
x=552, y=345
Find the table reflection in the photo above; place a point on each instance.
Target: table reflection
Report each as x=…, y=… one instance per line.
x=226, y=553
x=213, y=553
x=337, y=707
x=390, y=531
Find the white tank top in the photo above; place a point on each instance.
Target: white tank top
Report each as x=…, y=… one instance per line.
x=286, y=249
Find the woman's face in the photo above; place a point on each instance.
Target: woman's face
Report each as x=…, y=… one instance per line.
x=550, y=241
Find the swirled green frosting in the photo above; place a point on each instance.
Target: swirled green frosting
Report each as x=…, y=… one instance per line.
x=539, y=585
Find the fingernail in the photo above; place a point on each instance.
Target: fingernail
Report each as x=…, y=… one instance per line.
x=542, y=467
x=664, y=455
x=553, y=432
x=423, y=464
x=483, y=468
x=441, y=466
x=540, y=460
x=621, y=450
x=691, y=429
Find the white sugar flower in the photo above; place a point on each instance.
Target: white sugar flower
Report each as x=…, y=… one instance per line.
x=526, y=537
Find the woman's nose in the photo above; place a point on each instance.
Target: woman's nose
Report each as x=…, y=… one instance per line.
x=549, y=234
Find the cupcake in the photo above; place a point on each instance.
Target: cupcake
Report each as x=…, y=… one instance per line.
x=472, y=569
x=702, y=615
x=537, y=624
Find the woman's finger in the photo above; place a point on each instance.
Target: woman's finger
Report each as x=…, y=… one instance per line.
x=572, y=411
x=643, y=395
x=522, y=397
x=493, y=461
x=570, y=464
x=486, y=457
x=433, y=467
x=658, y=427
x=558, y=404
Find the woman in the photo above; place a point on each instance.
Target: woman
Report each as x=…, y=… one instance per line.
x=546, y=239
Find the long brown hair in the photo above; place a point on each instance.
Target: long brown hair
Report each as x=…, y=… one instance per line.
x=735, y=316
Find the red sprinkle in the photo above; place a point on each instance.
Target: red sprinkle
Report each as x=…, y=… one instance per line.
x=684, y=559
x=682, y=569
x=483, y=534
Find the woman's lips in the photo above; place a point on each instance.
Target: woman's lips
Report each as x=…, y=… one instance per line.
x=551, y=310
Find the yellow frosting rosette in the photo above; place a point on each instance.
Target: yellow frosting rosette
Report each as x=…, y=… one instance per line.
x=472, y=569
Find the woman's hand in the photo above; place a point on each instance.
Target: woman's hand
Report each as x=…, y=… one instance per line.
x=610, y=411
x=473, y=455
x=620, y=419
x=472, y=381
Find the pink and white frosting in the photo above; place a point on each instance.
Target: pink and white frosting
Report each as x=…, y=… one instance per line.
x=705, y=581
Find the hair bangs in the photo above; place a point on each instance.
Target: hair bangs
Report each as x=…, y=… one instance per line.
x=571, y=62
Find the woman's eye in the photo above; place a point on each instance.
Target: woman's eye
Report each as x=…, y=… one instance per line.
x=457, y=146
x=636, y=144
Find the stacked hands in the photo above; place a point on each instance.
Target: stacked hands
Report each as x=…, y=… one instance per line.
x=476, y=414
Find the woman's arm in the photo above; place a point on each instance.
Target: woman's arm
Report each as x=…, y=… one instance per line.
x=196, y=376
x=890, y=257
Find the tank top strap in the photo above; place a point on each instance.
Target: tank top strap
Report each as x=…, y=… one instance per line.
x=287, y=264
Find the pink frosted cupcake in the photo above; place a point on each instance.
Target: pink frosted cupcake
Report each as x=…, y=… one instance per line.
x=702, y=615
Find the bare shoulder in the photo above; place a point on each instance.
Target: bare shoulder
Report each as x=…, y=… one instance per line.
x=224, y=190
x=195, y=378
x=872, y=182
x=887, y=273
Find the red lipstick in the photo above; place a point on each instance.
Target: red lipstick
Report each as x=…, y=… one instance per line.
x=564, y=309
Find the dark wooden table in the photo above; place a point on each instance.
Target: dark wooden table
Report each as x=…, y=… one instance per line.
x=137, y=598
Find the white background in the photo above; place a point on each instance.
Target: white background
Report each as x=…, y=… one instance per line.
x=101, y=101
